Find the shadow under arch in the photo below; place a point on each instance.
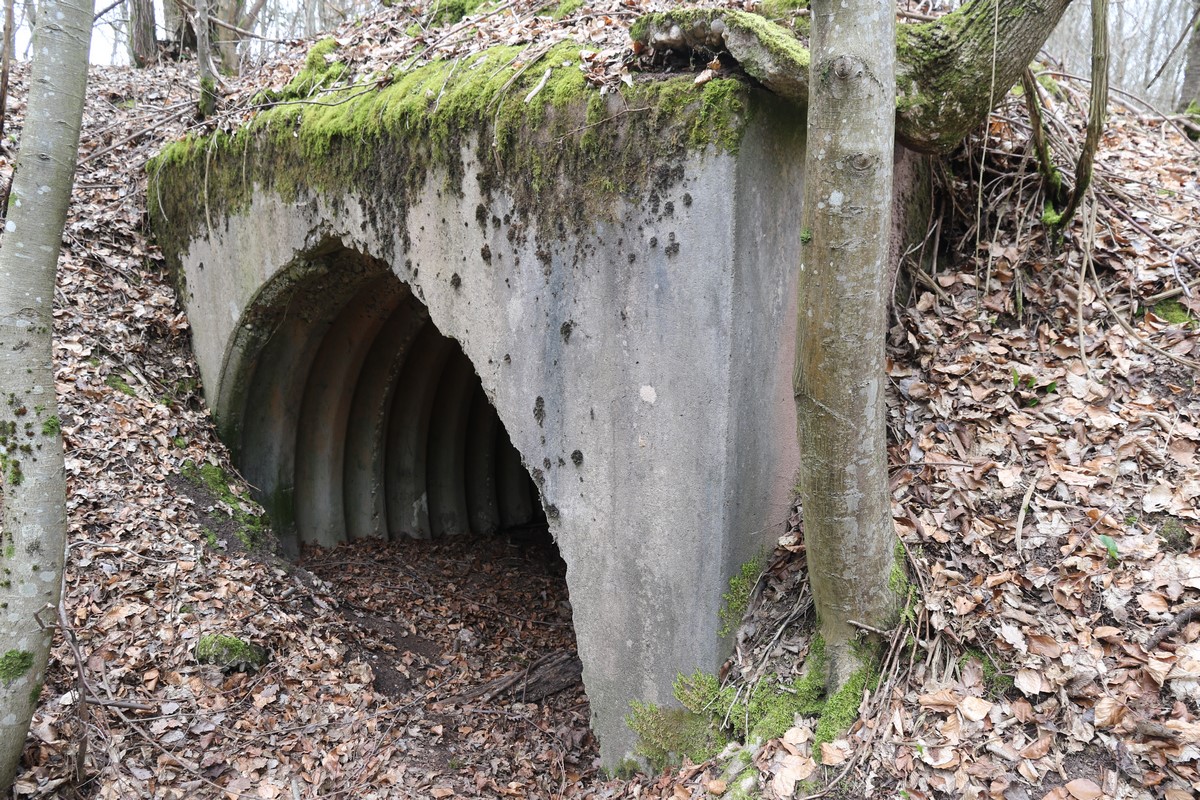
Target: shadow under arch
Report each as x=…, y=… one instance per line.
x=359, y=419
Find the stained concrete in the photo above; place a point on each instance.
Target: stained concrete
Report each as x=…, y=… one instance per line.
x=641, y=369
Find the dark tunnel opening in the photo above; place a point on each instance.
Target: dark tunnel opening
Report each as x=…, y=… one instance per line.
x=363, y=421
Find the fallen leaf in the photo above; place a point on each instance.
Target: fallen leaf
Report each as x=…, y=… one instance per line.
x=1084, y=789
x=975, y=708
x=831, y=754
x=1031, y=682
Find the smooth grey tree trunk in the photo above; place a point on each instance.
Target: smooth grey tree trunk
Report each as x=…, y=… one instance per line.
x=840, y=374
x=33, y=486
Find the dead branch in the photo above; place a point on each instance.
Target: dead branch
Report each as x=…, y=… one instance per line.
x=1184, y=617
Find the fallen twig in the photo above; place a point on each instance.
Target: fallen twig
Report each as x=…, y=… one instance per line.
x=1190, y=614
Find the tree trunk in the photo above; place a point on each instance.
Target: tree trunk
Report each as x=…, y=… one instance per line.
x=179, y=28
x=1190, y=91
x=143, y=46
x=9, y=42
x=208, y=81
x=32, y=484
x=944, y=69
x=840, y=377
x=953, y=71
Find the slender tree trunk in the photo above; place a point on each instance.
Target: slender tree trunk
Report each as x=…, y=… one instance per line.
x=208, y=81
x=143, y=44
x=840, y=376
x=32, y=484
x=9, y=42
x=1190, y=91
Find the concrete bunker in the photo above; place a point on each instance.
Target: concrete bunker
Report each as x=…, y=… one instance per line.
x=618, y=272
x=362, y=420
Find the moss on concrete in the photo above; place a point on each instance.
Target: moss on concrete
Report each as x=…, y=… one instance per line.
x=319, y=72
x=667, y=735
x=567, y=148
x=754, y=714
x=777, y=42
x=14, y=664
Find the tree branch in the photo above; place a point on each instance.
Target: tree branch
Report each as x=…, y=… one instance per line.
x=944, y=67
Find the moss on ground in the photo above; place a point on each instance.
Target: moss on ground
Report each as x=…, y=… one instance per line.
x=1174, y=313
x=449, y=12
x=230, y=653
x=712, y=713
x=995, y=680
x=115, y=381
x=1175, y=536
x=250, y=527
x=735, y=601
x=566, y=8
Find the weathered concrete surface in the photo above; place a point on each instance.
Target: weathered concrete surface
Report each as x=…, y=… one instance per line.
x=641, y=367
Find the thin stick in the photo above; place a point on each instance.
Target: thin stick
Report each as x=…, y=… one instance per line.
x=1021, y=515
x=1181, y=619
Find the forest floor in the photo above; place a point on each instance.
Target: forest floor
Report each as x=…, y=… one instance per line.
x=1045, y=426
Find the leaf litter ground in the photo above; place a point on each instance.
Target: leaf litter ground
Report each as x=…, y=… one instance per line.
x=1047, y=502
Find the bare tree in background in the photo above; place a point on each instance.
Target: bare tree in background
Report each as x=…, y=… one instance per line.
x=9, y=43
x=1142, y=35
x=143, y=43
x=1189, y=89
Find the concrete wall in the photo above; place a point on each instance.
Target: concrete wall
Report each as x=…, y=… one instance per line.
x=642, y=369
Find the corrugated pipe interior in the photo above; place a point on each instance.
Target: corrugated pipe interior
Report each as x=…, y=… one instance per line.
x=362, y=421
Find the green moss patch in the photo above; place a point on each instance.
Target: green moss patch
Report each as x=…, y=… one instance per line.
x=667, y=735
x=230, y=653
x=566, y=8
x=319, y=72
x=564, y=146
x=995, y=680
x=712, y=714
x=1174, y=536
x=14, y=664
x=449, y=12
x=1174, y=313
x=250, y=527
x=115, y=381
x=735, y=601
